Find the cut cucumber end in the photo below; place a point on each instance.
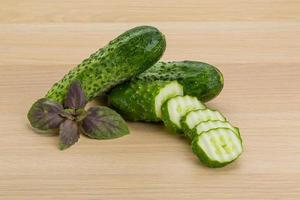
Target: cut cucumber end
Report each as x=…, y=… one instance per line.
x=171, y=90
x=217, y=147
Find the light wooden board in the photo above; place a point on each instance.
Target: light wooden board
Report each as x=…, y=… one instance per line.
x=255, y=44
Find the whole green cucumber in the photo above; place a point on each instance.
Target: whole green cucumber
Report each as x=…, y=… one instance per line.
x=129, y=54
x=198, y=79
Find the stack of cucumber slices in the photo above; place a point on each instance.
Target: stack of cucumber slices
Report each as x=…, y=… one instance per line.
x=214, y=140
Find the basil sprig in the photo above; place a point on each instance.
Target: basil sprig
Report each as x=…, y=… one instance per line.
x=71, y=118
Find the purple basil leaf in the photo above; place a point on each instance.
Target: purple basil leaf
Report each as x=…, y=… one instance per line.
x=68, y=133
x=44, y=114
x=75, y=97
x=103, y=123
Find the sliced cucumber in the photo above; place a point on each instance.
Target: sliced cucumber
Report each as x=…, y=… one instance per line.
x=191, y=119
x=207, y=125
x=175, y=108
x=217, y=147
x=142, y=102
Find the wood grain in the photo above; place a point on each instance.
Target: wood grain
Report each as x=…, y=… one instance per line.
x=39, y=11
x=255, y=44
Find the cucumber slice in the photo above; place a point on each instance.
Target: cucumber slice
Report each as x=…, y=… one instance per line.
x=207, y=125
x=170, y=90
x=175, y=108
x=217, y=147
x=191, y=119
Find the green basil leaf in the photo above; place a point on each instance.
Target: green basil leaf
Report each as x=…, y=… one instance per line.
x=44, y=114
x=68, y=133
x=103, y=123
x=75, y=98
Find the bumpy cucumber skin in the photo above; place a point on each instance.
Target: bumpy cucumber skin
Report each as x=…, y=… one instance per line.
x=124, y=57
x=204, y=158
x=187, y=131
x=197, y=78
x=166, y=119
x=136, y=101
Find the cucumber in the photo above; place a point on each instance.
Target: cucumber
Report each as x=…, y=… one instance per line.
x=175, y=108
x=197, y=78
x=124, y=57
x=191, y=119
x=217, y=147
x=142, y=102
x=207, y=125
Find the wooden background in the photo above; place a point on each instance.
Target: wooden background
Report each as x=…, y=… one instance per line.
x=256, y=44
